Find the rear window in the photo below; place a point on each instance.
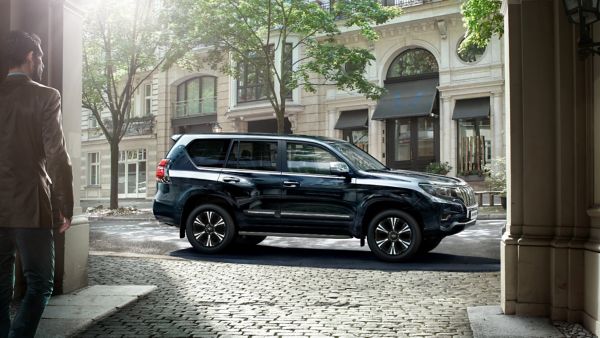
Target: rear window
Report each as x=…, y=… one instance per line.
x=253, y=155
x=208, y=153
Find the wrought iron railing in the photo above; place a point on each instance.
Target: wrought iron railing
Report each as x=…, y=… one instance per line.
x=328, y=4
x=200, y=107
x=143, y=125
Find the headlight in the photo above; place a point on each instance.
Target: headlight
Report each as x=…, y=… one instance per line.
x=440, y=191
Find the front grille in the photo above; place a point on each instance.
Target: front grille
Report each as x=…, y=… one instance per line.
x=467, y=195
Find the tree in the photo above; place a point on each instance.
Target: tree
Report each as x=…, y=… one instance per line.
x=260, y=37
x=121, y=48
x=482, y=19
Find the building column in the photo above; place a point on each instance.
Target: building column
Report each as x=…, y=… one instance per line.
x=448, y=144
x=59, y=25
x=498, y=131
x=591, y=315
x=376, y=139
x=549, y=261
x=330, y=123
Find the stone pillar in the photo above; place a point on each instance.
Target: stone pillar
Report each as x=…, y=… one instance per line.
x=498, y=130
x=448, y=144
x=547, y=242
x=376, y=139
x=331, y=119
x=59, y=25
x=591, y=314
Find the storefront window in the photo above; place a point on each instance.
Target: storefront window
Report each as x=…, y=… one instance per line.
x=474, y=145
x=402, y=135
x=358, y=137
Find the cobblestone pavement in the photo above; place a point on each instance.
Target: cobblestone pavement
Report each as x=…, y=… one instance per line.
x=212, y=299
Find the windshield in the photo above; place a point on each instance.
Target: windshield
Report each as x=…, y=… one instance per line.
x=358, y=157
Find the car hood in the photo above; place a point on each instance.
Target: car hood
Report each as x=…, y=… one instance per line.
x=416, y=177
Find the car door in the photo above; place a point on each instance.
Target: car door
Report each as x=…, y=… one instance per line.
x=252, y=179
x=313, y=198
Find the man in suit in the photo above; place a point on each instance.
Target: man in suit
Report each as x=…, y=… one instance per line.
x=35, y=182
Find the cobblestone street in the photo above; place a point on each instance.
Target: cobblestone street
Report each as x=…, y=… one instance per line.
x=209, y=299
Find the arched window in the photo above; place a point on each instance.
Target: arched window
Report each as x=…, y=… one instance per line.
x=417, y=61
x=197, y=96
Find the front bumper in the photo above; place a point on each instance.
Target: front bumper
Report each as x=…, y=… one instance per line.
x=454, y=218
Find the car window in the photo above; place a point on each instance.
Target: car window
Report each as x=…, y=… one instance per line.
x=208, y=153
x=309, y=159
x=253, y=155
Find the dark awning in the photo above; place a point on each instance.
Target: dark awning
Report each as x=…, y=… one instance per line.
x=352, y=119
x=407, y=99
x=472, y=108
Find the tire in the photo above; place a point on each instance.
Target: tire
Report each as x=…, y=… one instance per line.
x=429, y=244
x=394, y=236
x=249, y=240
x=210, y=229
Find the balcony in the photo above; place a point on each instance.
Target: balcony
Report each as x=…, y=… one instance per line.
x=195, y=108
x=138, y=126
x=328, y=4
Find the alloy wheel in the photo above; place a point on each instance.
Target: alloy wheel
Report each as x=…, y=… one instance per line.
x=393, y=236
x=209, y=229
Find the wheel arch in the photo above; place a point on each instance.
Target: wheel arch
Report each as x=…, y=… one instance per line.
x=376, y=207
x=198, y=199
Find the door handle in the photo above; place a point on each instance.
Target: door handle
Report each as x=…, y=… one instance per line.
x=291, y=184
x=229, y=179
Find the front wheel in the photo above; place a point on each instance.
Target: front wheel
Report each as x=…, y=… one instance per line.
x=394, y=236
x=209, y=228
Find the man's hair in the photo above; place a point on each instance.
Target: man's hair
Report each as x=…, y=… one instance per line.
x=17, y=45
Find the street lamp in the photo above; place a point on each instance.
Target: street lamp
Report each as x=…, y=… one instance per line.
x=584, y=13
x=216, y=128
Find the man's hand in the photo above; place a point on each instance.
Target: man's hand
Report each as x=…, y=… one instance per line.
x=65, y=225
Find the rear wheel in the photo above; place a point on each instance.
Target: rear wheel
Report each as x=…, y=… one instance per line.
x=210, y=228
x=394, y=236
x=249, y=240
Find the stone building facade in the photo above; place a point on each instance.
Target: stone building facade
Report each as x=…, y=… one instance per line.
x=440, y=106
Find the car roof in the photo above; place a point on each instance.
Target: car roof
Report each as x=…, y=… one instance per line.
x=187, y=138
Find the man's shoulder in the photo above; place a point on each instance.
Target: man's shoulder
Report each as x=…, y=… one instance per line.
x=42, y=89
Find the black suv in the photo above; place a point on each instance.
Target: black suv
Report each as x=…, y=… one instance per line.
x=221, y=189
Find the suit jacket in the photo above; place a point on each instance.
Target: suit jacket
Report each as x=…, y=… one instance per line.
x=35, y=169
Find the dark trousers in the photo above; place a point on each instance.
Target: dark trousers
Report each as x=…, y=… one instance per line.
x=36, y=251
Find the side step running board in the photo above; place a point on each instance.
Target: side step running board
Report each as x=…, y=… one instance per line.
x=285, y=234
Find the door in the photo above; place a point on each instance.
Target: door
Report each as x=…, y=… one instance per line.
x=412, y=143
x=313, y=199
x=252, y=179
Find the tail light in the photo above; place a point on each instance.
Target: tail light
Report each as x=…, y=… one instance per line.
x=161, y=171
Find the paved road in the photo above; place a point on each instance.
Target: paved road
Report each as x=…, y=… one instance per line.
x=475, y=249
x=289, y=287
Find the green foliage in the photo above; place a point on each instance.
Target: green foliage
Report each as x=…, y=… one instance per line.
x=496, y=175
x=121, y=41
x=253, y=32
x=483, y=19
x=438, y=168
x=122, y=46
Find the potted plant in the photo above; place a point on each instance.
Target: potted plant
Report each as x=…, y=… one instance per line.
x=496, y=177
x=438, y=168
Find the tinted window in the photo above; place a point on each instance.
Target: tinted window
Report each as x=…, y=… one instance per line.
x=208, y=153
x=306, y=158
x=253, y=155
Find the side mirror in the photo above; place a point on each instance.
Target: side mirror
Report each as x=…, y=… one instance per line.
x=339, y=168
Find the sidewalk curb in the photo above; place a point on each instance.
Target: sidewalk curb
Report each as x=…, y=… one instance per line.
x=121, y=218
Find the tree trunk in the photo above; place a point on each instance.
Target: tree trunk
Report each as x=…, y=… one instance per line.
x=114, y=174
x=280, y=114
